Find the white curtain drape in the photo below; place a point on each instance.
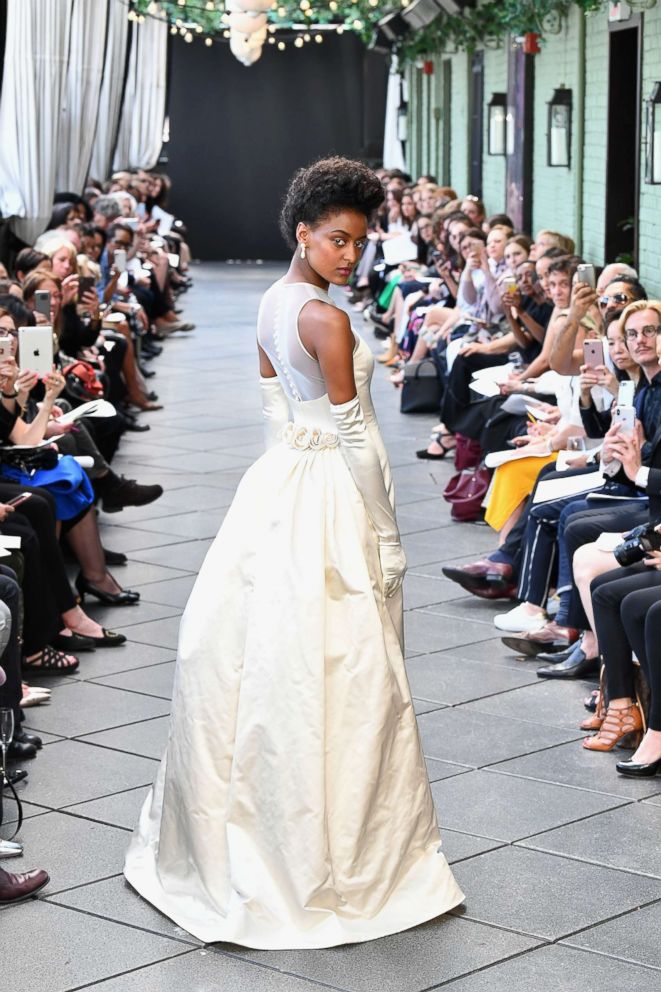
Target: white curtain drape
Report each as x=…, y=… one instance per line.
x=393, y=153
x=81, y=101
x=35, y=78
x=143, y=111
x=112, y=88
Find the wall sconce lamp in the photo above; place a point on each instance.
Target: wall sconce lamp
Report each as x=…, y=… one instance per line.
x=559, y=129
x=653, y=137
x=497, y=116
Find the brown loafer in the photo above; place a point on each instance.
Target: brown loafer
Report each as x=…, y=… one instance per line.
x=481, y=575
x=14, y=888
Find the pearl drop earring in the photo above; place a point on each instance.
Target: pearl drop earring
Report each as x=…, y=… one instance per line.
x=302, y=250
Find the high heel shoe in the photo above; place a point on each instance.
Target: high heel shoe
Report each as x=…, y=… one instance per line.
x=621, y=726
x=634, y=770
x=124, y=598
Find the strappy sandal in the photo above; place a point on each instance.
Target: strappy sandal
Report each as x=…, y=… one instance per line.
x=620, y=726
x=49, y=661
x=445, y=449
x=597, y=704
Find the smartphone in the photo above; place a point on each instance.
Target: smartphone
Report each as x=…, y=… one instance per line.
x=119, y=259
x=5, y=348
x=21, y=498
x=35, y=349
x=42, y=302
x=625, y=393
x=625, y=418
x=593, y=353
x=85, y=285
x=585, y=273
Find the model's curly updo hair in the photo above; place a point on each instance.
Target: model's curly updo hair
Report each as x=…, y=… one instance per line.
x=326, y=187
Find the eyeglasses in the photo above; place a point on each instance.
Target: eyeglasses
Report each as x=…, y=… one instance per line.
x=615, y=298
x=649, y=331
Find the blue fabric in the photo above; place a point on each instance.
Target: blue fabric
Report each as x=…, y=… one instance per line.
x=67, y=483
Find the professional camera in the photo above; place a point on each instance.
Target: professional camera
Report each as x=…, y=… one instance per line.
x=638, y=544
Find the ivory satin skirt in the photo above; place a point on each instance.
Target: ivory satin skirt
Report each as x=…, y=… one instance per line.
x=292, y=808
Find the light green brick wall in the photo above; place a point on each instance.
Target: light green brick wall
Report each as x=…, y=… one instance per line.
x=649, y=235
x=459, y=161
x=554, y=188
x=596, y=137
x=493, y=166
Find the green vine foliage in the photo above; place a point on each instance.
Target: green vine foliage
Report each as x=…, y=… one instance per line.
x=473, y=27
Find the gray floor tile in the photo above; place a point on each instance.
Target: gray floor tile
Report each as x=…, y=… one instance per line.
x=72, y=949
x=85, y=707
x=414, y=960
x=548, y=702
x=138, y=573
x=120, y=810
x=10, y=817
x=73, y=851
x=572, y=764
x=72, y=772
x=435, y=544
x=460, y=847
x=114, y=899
x=626, y=838
x=120, y=618
x=147, y=738
x=634, y=937
x=470, y=608
x=160, y=633
x=511, y=808
x=187, y=556
x=425, y=706
x=446, y=679
x=204, y=971
x=153, y=680
x=547, y=896
x=202, y=525
x=130, y=540
x=107, y=661
x=444, y=769
x=479, y=739
x=424, y=591
x=174, y=592
x=556, y=969
x=425, y=632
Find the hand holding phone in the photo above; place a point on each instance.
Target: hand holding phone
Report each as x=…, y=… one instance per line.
x=17, y=500
x=593, y=353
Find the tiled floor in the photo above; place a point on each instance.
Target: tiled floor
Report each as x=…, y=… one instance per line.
x=558, y=856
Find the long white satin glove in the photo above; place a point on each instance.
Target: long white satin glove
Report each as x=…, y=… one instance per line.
x=362, y=458
x=275, y=409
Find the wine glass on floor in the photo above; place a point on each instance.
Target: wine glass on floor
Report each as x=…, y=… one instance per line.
x=6, y=736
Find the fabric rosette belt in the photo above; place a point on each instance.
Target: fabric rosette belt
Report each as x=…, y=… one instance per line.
x=308, y=438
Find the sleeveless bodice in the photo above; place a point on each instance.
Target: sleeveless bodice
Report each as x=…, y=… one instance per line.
x=299, y=373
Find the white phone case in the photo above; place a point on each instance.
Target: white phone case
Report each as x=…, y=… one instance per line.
x=35, y=349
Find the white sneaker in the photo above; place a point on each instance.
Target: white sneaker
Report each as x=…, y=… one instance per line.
x=520, y=620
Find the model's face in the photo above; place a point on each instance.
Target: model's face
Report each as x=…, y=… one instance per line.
x=61, y=263
x=560, y=289
x=496, y=241
x=334, y=245
x=514, y=255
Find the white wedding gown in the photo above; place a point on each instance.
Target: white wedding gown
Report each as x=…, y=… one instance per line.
x=292, y=808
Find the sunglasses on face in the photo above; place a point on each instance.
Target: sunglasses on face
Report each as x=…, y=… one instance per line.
x=649, y=331
x=615, y=298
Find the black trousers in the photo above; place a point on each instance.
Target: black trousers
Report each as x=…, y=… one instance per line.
x=627, y=614
x=584, y=528
x=457, y=394
x=11, y=692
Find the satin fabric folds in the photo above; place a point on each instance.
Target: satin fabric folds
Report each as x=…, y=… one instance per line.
x=292, y=808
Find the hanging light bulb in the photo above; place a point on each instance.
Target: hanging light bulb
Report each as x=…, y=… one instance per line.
x=271, y=40
x=226, y=34
x=281, y=46
x=299, y=43
x=173, y=30
x=333, y=5
x=340, y=29
x=208, y=42
x=281, y=12
x=188, y=37
x=153, y=8
x=306, y=37
x=210, y=5
x=304, y=4
x=319, y=38
x=357, y=25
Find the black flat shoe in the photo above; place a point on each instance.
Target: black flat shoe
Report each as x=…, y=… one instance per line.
x=552, y=658
x=16, y=775
x=110, y=639
x=576, y=666
x=17, y=751
x=124, y=598
x=73, y=643
x=634, y=770
x=114, y=557
x=24, y=738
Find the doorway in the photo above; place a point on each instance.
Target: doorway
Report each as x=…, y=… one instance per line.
x=623, y=149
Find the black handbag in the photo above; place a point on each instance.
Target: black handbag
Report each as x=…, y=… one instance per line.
x=422, y=390
x=29, y=460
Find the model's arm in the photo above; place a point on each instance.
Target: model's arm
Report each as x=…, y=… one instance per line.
x=326, y=333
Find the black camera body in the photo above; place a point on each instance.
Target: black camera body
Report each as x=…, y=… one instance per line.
x=637, y=545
